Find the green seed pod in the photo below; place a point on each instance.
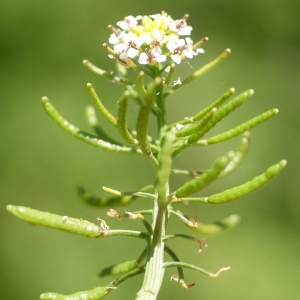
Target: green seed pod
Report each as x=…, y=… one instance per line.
x=200, y=72
x=164, y=167
x=103, y=202
x=106, y=114
x=217, y=103
x=77, y=226
x=119, y=269
x=143, y=118
x=170, y=75
x=239, y=155
x=122, y=122
x=80, y=134
x=221, y=113
x=93, y=122
x=197, y=184
x=248, y=187
x=94, y=294
x=243, y=127
x=140, y=84
x=190, y=130
x=218, y=226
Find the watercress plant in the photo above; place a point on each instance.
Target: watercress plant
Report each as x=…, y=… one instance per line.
x=152, y=46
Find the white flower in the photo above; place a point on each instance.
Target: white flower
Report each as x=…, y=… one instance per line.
x=176, y=47
x=147, y=38
x=129, y=22
x=180, y=27
x=152, y=56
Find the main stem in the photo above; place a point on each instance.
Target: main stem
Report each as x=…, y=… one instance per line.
x=154, y=269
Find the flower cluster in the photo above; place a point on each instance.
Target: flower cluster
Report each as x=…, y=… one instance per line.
x=152, y=39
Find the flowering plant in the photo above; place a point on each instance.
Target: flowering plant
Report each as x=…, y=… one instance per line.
x=155, y=46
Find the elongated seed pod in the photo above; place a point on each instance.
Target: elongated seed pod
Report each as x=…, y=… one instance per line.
x=248, y=187
x=200, y=71
x=197, y=184
x=140, y=84
x=119, y=269
x=103, y=202
x=221, y=113
x=106, y=114
x=197, y=127
x=80, y=134
x=170, y=75
x=238, y=156
x=242, y=127
x=77, y=226
x=164, y=167
x=97, y=70
x=143, y=118
x=122, y=120
x=93, y=122
x=216, y=103
x=216, y=227
x=94, y=294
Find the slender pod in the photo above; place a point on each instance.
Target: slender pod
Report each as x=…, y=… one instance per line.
x=140, y=84
x=108, y=75
x=197, y=127
x=170, y=75
x=221, y=113
x=201, y=71
x=143, y=118
x=164, y=168
x=93, y=122
x=217, y=226
x=65, y=223
x=122, y=120
x=106, y=114
x=119, y=269
x=94, y=294
x=242, y=127
x=216, y=103
x=238, y=156
x=248, y=187
x=103, y=202
x=80, y=134
x=197, y=184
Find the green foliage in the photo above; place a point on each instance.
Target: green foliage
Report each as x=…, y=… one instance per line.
x=171, y=140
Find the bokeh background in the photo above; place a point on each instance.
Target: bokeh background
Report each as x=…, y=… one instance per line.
x=42, y=45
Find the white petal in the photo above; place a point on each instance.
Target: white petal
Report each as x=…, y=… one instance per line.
x=132, y=52
x=200, y=50
x=120, y=48
x=113, y=39
x=188, y=53
x=148, y=39
x=124, y=57
x=176, y=58
x=161, y=58
x=124, y=25
x=186, y=30
x=172, y=45
x=189, y=41
x=156, y=34
x=143, y=59
x=156, y=51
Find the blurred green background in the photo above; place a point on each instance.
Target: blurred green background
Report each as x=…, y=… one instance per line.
x=42, y=45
